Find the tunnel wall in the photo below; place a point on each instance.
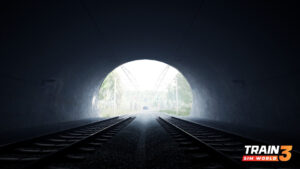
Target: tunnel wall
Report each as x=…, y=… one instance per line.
x=241, y=63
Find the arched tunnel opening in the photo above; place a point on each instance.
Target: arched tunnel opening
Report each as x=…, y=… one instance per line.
x=69, y=67
x=143, y=86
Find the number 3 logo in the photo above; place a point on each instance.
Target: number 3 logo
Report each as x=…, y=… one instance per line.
x=286, y=154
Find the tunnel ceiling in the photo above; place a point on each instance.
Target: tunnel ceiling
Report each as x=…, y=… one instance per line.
x=239, y=57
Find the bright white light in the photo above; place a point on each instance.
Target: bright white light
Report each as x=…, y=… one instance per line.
x=93, y=100
x=143, y=86
x=146, y=74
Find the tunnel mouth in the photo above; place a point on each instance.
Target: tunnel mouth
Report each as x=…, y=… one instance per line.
x=143, y=86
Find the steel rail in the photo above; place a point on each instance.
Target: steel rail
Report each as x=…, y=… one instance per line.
x=228, y=162
x=234, y=135
x=8, y=146
x=56, y=155
x=189, y=126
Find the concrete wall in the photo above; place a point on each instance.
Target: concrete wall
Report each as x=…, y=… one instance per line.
x=240, y=58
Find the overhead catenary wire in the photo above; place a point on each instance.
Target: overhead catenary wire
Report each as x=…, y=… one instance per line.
x=189, y=27
x=133, y=82
x=130, y=77
x=160, y=79
x=96, y=25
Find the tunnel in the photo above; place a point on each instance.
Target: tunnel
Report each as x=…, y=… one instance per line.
x=241, y=59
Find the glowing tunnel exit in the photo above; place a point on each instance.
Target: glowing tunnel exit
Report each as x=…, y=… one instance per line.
x=143, y=85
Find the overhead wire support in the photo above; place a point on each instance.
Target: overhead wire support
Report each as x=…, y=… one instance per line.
x=160, y=79
x=130, y=77
x=133, y=82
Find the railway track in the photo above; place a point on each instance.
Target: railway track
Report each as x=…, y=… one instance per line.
x=60, y=149
x=213, y=149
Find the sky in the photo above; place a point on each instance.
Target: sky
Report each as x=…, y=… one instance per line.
x=146, y=73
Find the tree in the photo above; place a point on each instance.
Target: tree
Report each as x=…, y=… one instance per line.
x=185, y=96
x=106, y=93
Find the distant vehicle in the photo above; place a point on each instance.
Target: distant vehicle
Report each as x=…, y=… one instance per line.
x=145, y=108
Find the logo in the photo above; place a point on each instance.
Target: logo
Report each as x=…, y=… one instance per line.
x=267, y=153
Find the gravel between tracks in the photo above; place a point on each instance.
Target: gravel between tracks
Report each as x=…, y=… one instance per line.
x=141, y=144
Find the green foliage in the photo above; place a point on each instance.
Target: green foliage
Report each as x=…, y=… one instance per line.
x=106, y=94
x=184, y=89
x=106, y=91
x=125, y=101
x=181, y=112
x=185, y=97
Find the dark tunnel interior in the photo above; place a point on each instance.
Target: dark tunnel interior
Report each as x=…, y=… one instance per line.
x=241, y=59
